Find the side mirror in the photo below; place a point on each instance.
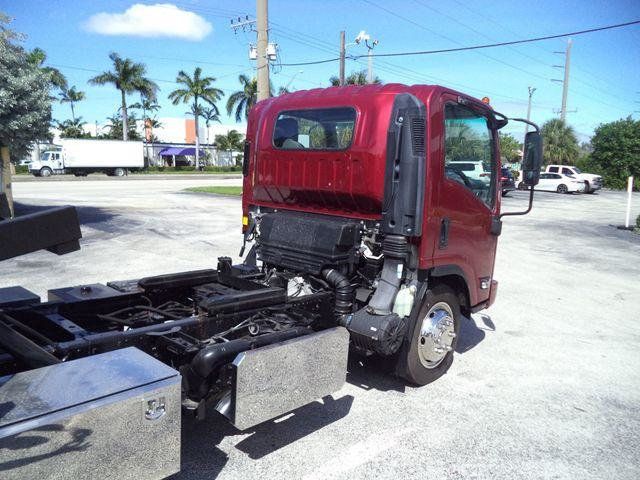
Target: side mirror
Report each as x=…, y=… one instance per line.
x=532, y=158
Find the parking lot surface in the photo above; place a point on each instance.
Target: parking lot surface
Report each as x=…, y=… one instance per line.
x=545, y=384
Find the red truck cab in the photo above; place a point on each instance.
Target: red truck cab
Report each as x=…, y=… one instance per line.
x=397, y=160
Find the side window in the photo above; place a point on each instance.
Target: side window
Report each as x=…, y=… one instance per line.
x=566, y=171
x=553, y=169
x=556, y=176
x=469, y=148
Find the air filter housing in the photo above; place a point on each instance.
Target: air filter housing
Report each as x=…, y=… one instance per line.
x=306, y=243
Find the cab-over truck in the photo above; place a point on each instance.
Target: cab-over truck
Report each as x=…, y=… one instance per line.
x=362, y=236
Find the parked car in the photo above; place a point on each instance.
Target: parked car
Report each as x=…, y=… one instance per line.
x=591, y=181
x=556, y=182
x=472, y=169
x=507, y=182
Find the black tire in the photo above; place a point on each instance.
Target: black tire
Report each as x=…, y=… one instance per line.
x=119, y=172
x=45, y=172
x=587, y=187
x=505, y=193
x=562, y=188
x=410, y=365
x=522, y=186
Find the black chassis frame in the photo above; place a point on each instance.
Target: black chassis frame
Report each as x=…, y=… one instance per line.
x=187, y=320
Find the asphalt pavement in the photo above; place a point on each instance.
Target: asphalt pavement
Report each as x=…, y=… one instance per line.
x=545, y=384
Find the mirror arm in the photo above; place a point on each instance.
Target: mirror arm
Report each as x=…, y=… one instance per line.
x=520, y=213
x=527, y=122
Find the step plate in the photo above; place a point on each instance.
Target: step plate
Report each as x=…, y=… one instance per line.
x=279, y=378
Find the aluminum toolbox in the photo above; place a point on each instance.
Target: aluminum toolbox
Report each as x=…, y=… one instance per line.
x=114, y=415
x=276, y=379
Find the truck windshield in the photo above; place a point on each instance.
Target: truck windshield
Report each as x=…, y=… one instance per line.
x=316, y=129
x=577, y=170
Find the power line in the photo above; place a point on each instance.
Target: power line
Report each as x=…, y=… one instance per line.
x=476, y=47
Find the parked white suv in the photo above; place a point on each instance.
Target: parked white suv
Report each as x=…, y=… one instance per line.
x=473, y=169
x=591, y=182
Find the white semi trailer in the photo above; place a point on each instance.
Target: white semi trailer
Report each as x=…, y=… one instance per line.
x=84, y=156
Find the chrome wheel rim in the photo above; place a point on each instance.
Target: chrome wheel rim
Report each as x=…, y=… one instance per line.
x=437, y=333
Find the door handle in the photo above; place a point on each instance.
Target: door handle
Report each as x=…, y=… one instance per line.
x=444, y=233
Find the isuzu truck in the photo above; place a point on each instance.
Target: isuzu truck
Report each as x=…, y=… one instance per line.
x=360, y=235
x=81, y=157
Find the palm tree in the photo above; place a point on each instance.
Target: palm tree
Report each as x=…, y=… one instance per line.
x=147, y=105
x=196, y=88
x=354, y=78
x=231, y=141
x=71, y=96
x=37, y=57
x=72, y=128
x=244, y=100
x=560, y=142
x=128, y=77
x=210, y=115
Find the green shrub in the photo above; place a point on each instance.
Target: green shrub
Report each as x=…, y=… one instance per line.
x=21, y=169
x=210, y=169
x=638, y=223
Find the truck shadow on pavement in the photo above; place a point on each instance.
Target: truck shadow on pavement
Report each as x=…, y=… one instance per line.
x=470, y=334
x=202, y=458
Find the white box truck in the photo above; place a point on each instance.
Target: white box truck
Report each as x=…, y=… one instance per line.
x=81, y=157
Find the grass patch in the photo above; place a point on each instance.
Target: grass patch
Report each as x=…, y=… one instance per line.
x=230, y=191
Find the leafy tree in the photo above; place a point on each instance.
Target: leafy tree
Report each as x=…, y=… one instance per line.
x=560, y=143
x=128, y=77
x=25, y=104
x=232, y=141
x=354, y=78
x=71, y=96
x=72, y=129
x=509, y=147
x=199, y=89
x=616, y=152
x=37, y=57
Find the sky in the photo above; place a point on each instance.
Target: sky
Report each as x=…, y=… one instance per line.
x=167, y=37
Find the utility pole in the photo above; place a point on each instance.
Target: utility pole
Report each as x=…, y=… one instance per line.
x=526, y=125
x=343, y=49
x=262, y=24
x=565, y=82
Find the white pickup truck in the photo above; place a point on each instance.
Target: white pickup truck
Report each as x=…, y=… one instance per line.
x=591, y=181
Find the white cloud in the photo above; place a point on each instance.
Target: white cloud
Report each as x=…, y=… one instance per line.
x=159, y=20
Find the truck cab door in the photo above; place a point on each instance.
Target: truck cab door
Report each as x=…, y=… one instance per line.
x=466, y=206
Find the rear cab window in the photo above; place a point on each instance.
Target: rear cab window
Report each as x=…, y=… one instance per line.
x=314, y=129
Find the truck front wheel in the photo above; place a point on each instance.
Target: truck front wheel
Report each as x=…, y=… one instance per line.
x=587, y=187
x=428, y=350
x=119, y=172
x=45, y=172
